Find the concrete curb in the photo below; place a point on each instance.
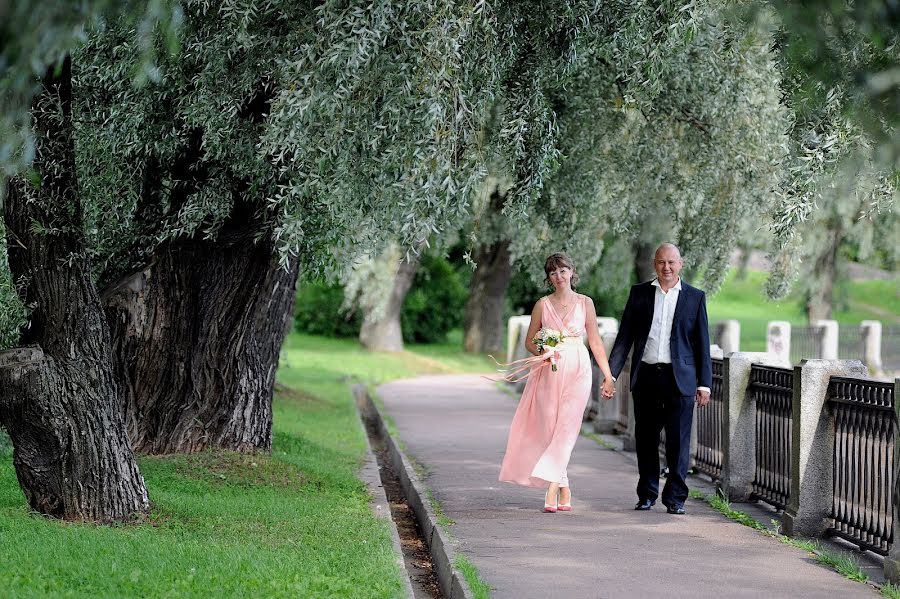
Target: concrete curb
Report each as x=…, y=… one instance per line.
x=371, y=476
x=453, y=584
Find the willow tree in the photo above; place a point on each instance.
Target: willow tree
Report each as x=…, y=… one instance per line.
x=60, y=400
x=660, y=110
x=841, y=58
x=59, y=397
x=842, y=187
x=381, y=120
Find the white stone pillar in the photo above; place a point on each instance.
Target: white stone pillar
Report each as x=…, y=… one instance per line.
x=870, y=337
x=778, y=341
x=515, y=335
x=828, y=339
x=607, y=324
x=728, y=336
x=739, y=426
x=812, y=445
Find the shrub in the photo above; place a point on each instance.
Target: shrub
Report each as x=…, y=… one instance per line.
x=318, y=311
x=435, y=302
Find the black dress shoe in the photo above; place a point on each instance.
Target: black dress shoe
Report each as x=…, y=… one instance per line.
x=644, y=504
x=675, y=510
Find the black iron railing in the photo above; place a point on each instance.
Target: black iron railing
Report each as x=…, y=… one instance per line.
x=708, y=455
x=850, y=342
x=772, y=390
x=864, y=427
x=890, y=348
x=806, y=343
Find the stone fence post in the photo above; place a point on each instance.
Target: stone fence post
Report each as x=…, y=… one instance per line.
x=516, y=328
x=778, y=342
x=812, y=445
x=828, y=339
x=870, y=338
x=604, y=412
x=739, y=424
x=728, y=336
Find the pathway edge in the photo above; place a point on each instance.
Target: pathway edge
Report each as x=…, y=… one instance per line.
x=370, y=475
x=453, y=583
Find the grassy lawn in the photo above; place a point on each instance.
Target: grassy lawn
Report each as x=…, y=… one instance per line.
x=745, y=300
x=294, y=524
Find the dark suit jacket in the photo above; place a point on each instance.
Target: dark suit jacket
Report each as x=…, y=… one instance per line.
x=689, y=341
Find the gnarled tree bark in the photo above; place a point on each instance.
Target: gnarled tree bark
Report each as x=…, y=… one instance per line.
x=59, y=398
x=198, y=334
x=483, y=323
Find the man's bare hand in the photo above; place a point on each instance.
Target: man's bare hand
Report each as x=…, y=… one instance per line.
x=702, y=397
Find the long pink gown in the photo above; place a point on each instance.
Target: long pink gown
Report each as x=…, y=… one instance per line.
x=548, y=419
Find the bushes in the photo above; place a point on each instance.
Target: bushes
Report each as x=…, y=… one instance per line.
x=318, y=311
x=433, y=306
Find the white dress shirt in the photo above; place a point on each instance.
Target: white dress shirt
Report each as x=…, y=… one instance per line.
x=658, y=349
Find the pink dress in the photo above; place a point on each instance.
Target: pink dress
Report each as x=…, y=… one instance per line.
x=548, y=419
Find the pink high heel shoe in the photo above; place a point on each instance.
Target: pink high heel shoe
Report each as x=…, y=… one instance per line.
x=551, y=509
x=565, y=507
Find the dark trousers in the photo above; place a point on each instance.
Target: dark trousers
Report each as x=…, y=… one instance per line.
x=657, y=404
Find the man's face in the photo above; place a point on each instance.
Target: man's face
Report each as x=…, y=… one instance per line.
x=667, y=264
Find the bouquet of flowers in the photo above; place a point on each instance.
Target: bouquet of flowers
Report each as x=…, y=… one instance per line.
x=548, y=338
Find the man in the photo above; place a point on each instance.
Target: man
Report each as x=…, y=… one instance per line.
x=665, y=320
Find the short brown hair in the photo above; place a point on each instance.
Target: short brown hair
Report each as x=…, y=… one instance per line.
x=558, y=260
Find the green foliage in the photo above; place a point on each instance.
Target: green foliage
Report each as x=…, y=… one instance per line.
x=435, y=302
x=13, y=314
x=433, y=306
x=37, y=35
x=318, y=311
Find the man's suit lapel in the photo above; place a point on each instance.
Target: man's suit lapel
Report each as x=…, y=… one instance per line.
x=679, y=305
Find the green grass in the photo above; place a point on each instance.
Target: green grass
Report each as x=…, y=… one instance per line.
x=890, y=590
x=480, y=589
x=744, y=300
x=294, y=524
x=843, y=564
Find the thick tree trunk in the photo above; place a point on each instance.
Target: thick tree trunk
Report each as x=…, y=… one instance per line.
x=198, y=335
x=59, y=397
x=643, y=259
x=381, y=329
x=483, y=324
x=820, y=297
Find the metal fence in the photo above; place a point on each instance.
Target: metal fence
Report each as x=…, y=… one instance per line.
x=623, y=397
x=772, y=390
x=850, y=342
x=890, y=348
x=708, y=456
x=806, y=343
x=864, y=427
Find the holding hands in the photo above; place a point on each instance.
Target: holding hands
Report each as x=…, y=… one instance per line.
x=608, y=389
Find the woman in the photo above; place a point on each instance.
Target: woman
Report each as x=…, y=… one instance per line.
x=548, y=419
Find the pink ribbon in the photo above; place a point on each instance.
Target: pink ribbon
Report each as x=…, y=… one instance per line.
x=525, y=364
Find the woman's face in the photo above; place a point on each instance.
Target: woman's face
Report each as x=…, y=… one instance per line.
x=561, y=277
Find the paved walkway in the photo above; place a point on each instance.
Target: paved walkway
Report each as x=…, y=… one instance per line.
x=456, y=427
